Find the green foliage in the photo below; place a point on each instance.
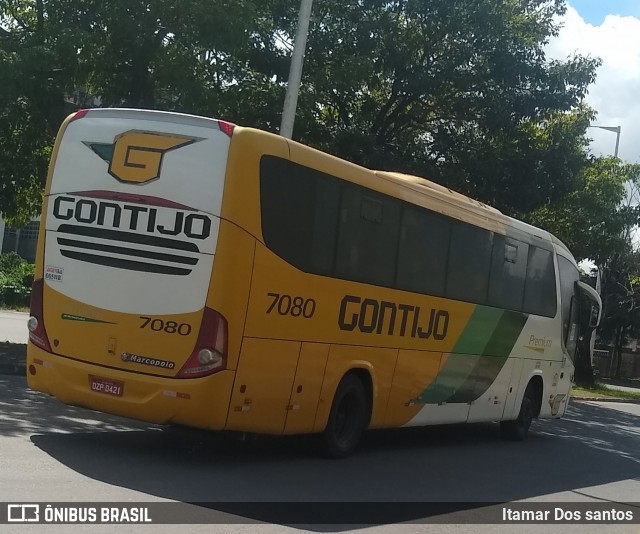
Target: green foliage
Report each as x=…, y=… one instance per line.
x=590, y=391
x=451, y=91
x=621, y=303
x=593, y=220
x=16, y=278
x=34, y=76
x=459, y=92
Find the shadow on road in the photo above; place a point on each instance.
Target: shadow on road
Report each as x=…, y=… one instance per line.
x=465, y=464
x=27, y=412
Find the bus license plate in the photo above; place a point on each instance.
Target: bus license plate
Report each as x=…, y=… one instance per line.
x=108, y=387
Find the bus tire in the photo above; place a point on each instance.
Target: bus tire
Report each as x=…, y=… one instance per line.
x=517, y=430
x=347, y=419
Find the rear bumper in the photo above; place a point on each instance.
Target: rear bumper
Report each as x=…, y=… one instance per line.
x=197, y=402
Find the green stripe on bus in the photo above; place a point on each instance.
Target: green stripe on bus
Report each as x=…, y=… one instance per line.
x=493, y=358
x=477, y=358
x=70, y=317
x=464, y=356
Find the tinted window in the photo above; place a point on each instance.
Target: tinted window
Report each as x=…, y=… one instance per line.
x=540, y=287
x=323, y=225
x=508, y=273
x=299, y=213
x=423, y=251
x=568, y=276
x=367, y=236
x=469, y=262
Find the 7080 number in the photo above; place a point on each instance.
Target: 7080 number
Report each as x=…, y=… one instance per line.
x=169, y=327
x=294, y=306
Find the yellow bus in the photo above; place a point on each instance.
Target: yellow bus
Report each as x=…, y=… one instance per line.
x=195, y=272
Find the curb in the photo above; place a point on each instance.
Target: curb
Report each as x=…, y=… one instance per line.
x=605, y=399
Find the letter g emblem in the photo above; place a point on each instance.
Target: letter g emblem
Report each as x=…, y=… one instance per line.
x=137, y=156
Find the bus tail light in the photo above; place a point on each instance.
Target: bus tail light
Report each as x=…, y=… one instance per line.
x=226, y=127
x=35, y=324
x=79, y=114
x=210, y=353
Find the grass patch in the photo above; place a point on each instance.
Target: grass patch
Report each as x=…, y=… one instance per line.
x=602, y=391
x=24, y=309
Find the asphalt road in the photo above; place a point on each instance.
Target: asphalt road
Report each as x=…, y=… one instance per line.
x=13, y=326
x=52, y=453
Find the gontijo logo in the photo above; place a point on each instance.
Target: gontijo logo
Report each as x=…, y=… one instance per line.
x=136, y=157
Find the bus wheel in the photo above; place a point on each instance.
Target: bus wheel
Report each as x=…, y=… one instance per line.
x=347, y=420
x=517, y=430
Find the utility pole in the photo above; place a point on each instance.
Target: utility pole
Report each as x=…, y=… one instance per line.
x=295, y=70
x=615, y=129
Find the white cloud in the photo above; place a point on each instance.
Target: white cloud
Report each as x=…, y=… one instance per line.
x=616, y=92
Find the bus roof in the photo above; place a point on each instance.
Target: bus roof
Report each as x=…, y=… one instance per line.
x=477, y=210
x=423, y=182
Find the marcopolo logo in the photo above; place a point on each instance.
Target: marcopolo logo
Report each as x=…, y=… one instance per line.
x=145, y=360
x=136, y=157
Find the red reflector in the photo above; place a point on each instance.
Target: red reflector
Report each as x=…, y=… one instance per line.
x=226, y=127
x=32, y=369
x=79, y=114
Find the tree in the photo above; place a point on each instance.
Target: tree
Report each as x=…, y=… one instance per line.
x=32, y=106
x=460, y=92
x=195, y=56
x=594, y=222
x=621, y=304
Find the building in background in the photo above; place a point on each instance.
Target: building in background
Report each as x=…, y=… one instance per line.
x=24, y=240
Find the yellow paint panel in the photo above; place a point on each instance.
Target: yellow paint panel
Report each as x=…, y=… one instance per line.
x=242, y=184
x=54, y=157
x=39, y=270
x=414, y=372
x=263, y=385
x=93, y=334
x=199, y=402
x=303, y=404
x=273, y=277
x=231, y=282
x=377, y=362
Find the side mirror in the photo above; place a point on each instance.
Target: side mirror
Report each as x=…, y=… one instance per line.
x=594, y=316
x=588, y=293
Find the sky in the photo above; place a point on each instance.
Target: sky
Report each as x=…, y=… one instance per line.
x=610, y=30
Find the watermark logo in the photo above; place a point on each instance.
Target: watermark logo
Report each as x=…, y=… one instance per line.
x=23, y=513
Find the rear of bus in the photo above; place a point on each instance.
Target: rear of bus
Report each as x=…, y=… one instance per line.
x=123, y=319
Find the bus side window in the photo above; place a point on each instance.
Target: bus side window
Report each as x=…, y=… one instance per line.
x=469, y=263
x=367, y=236
x=299, y=208
x=508, y=273
x=423, y=251
x=540, y=286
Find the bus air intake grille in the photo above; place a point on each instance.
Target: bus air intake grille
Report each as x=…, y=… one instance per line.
x=109, y=248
